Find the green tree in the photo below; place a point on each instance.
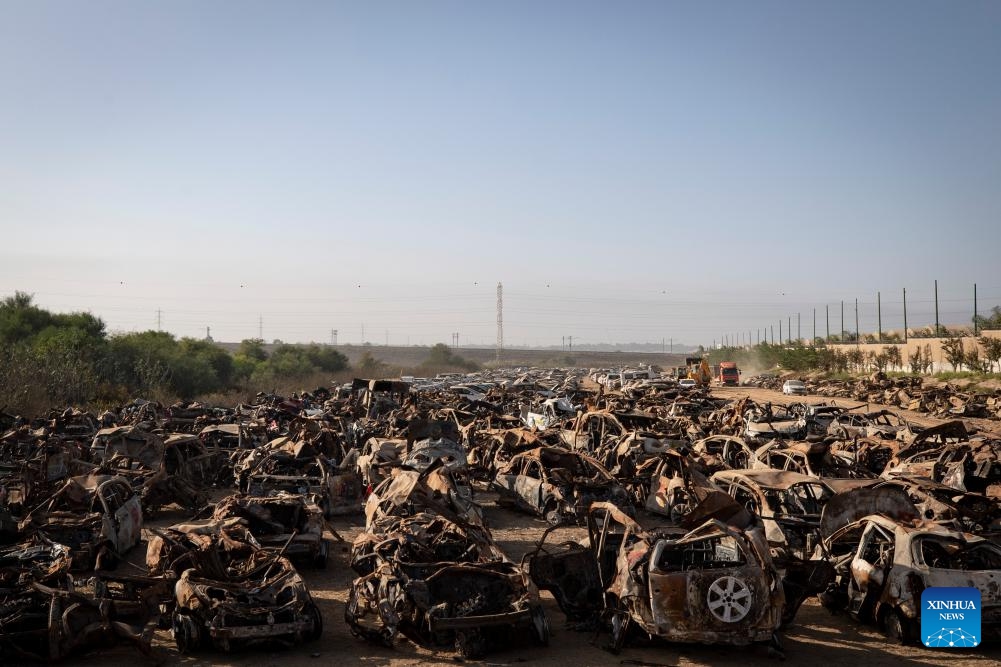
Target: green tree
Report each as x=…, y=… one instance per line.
x=326, y=358
x=952, y=348
x=369, y=365
x=992, y=321
x=441, y=356
x=252, y=348
x=974, y=362
x=893, y=356
x=856, y=358
x=992, y=350
x=289, y=361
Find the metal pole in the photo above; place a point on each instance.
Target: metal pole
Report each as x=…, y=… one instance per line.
x=936, y=309
x=879, y=318
x=842, y=334
x=827, y=310
x=814, y=339
x=773, y=332
x=799, y=331
x=780, y=332
x=857, y=338
x=974, y=309
x=905, y=314
x=789, y=330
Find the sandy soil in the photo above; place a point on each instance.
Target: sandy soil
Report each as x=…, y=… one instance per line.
x=816, y=637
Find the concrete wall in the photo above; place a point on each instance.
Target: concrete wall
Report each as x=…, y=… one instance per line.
x=938, y=358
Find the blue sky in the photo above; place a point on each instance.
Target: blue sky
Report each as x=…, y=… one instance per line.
x=630, y=171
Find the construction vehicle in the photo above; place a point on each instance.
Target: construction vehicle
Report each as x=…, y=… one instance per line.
x=698, y=370
x=728, y=374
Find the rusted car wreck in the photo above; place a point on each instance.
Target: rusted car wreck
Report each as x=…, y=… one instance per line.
x=715, y=584
x=229, y=591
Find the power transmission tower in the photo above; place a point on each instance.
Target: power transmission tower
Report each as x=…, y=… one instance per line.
x=500, y=321
x=260, y=327
x=158, y=314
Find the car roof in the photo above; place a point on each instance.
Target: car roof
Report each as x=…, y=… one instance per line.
x=769, y=479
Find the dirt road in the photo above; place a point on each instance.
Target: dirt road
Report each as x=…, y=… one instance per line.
x=762, y=395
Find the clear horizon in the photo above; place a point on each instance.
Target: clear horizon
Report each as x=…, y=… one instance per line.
x=631, y=173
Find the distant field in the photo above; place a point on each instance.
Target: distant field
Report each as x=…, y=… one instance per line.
x=409, y=357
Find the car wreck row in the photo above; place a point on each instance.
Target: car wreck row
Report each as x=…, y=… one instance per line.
x=705, y=520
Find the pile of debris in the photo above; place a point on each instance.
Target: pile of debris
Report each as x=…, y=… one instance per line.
x=708, y=520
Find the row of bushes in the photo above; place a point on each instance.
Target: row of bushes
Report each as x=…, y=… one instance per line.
x=49, y=359
x=797, y=357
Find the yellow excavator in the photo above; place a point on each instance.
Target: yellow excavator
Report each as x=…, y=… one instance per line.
x=698, y=370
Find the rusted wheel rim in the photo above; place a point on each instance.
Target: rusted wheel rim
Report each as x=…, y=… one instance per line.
x=729, y=599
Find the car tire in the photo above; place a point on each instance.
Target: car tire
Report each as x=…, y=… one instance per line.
x=313, y=612
x=540, y=625
x=620, y=622
x=187, y=634
x=897, y=628
x=470, y=644
x=320, y=561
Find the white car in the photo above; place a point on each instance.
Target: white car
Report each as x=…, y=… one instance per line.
x=687, y=383
x=794, y=388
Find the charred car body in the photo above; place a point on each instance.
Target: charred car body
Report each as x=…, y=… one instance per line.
x=557, y=485
x=714, y=584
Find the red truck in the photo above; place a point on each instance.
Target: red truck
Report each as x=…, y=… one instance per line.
x=729, y=374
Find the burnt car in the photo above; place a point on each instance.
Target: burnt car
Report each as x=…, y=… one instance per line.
x=816, y=459
x=99, y=517
x=429, y=570
x=788, y=503
x=472, y=607
x=286, y=523
x=767, y=422
x=557, y=485
x=408, y=492
x=259, y=600
x=880, y=424
x=882, y=565
x=715, y=584
x=296, y=467
x=47, y=622
x=229, y=591
x=176, y=470
x=723, y=452
x=426, y=537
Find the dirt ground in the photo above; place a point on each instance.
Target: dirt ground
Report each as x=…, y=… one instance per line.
x=816, y=637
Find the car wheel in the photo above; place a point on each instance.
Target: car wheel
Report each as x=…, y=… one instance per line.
x=896, y=628
x=553, y=515
x=729, y=599
x=620, y=629
x=541, y=624
x=470, y=644
x=313, y=613
x=320, y=561
x=187, y=634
